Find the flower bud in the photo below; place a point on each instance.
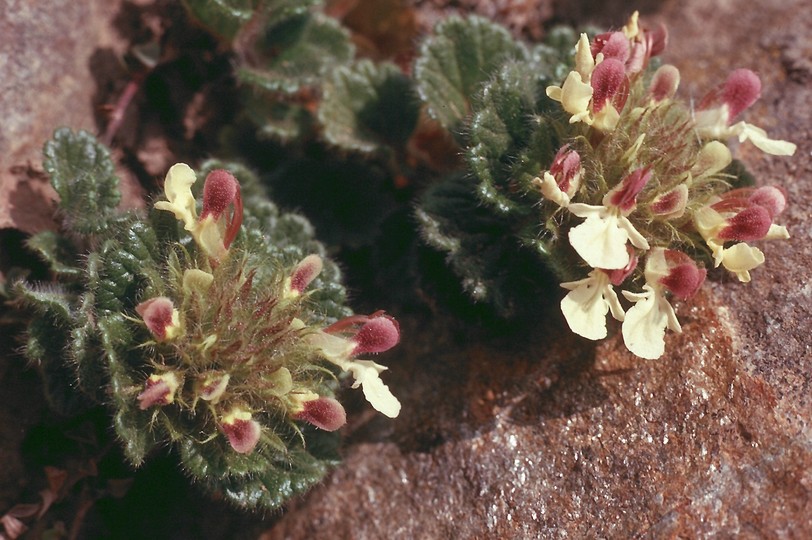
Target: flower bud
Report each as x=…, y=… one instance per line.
x=212, y=386
x=305, y=272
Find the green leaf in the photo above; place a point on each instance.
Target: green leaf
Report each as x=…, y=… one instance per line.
x=58, y=252
x=275, y=118
x=223, y=17
x=510, y=143
x=454, y=63
x=83, y=175
x=265, y=478
x=51, y=301
x=297, y=52
x=46, y=347
x=367, y=105
x=86, y=351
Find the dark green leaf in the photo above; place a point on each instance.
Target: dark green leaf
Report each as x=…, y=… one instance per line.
x=454, y=63
x=368, y=105
x=297, y=52
x=58, y=252
x=83, y=175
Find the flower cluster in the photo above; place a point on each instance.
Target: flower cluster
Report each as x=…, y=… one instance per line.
x=642, y=176
x=234, y=341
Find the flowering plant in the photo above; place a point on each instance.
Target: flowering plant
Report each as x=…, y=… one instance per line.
x=612, y=180
x=659, y=173
x=217, y=328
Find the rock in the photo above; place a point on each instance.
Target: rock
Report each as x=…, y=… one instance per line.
x=45, y=82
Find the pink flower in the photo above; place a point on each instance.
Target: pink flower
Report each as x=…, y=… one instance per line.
x=561, y=182
x=741, y=215
x=161, y=317
x=217, y=228
x=723, y=104
x=373, y=334
x=158, y=390
x=242, y=430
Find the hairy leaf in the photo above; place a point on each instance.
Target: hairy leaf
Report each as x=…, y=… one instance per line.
x=223, y=17
x=83, y=175
x=510, y=142
x=454, y=63
x=58, y=252
x=297, y=52
x=366, y=106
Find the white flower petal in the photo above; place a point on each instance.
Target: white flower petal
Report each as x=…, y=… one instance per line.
x=574, y=96
x=638, y=240
x=181, y=202
x=586, y=305
x=740, y=259
x=584, y=62
x=551, y=191
x=366, y=375
x=645, y=323
x=600, y=242
x=777, y=232
x=759, y=138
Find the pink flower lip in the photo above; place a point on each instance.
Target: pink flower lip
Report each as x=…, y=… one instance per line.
x=771, y=198
x=565, y=166
x=220, y=191
x=243, y=434
x=157, y=391
x=325, y=413
x=613, y=45
x=378, y=335
x=617, y=277
x=157, y=314
x=684, y=277
x=625, y=197
x=607, y=80
x=305, y=272
x=740, y=90
x=752, y=223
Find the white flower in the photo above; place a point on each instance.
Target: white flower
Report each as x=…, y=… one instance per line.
x=740, y=216
x=601, y=239
x=366, y=373
x=586, y=305
x=717, y=110
x=181, y=202
x=645, y=323
x=740, y=259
